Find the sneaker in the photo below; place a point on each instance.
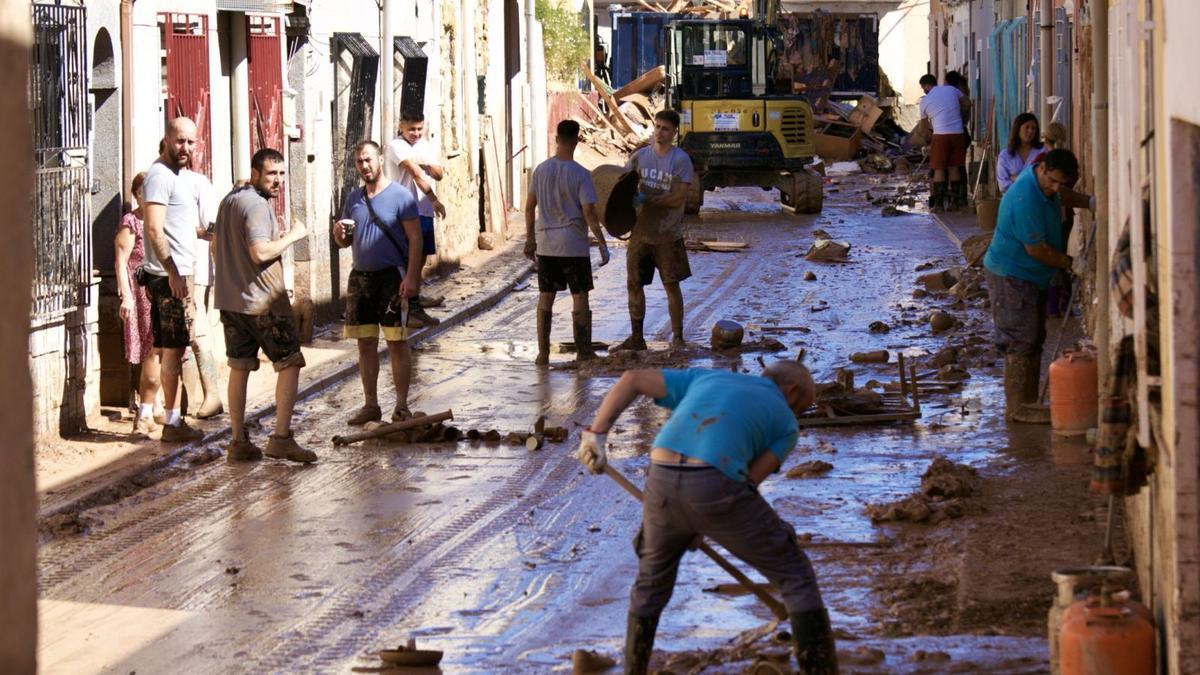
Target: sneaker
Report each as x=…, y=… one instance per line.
x=181, y=433
x=368, y=413
x=242, y=450
x=402, y=413
x=143, y=426
x=419, y=318
x=285, y=447
x=635, y=343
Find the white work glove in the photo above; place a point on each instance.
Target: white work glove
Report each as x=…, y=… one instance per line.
x=593, y=450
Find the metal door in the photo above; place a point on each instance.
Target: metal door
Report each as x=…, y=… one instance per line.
x=185, y=45
x=265, y=66
x=1064, y=45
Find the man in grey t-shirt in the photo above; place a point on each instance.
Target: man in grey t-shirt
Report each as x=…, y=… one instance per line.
x=172, y=210
x=564, y=200
x=254, y=306
x=664, y=172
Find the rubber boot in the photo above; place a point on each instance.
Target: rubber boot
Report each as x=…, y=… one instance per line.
x=1021, y=388
x=581, y=322
x=543, y=337
x=211, y=383
x=812, y=640
x=937, y=197
x=639, y=643
x=956, y=196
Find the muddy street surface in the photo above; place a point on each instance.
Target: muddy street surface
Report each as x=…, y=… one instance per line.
x=509, y=560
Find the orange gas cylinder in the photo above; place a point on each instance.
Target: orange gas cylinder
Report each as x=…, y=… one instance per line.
x=1106, y=639
x=1073, y=393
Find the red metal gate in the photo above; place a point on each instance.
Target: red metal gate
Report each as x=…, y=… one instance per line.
x=265, y=64
x=185, y=45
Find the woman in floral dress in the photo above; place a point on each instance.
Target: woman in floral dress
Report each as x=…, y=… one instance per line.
x=135, y=311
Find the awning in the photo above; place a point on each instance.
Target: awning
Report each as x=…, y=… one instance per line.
x=277, y=7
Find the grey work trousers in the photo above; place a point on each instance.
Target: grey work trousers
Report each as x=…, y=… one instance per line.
x=1018, y=315
x=681, y=503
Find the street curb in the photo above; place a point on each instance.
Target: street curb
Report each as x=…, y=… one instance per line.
x=94, y=495
x=946, y=228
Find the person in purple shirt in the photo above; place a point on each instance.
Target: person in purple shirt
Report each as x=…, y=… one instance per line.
x=1024, y=148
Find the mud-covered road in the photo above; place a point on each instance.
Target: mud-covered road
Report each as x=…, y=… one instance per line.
x=508, y=560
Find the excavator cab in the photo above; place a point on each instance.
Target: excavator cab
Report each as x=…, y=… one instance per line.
x=735, y=126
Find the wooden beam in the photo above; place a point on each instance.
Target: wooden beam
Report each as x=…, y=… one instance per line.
x=647, y=80
x=615, y=116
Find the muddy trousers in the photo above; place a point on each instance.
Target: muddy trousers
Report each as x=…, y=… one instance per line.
x=682, y=502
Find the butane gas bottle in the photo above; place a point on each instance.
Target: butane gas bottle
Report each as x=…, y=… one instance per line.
x=1073, y=393
x=1109, y=637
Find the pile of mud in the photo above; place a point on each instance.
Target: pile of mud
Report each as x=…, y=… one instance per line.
x=945, y=488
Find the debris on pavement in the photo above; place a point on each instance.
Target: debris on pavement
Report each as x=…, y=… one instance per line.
x=973, y=248
x=810, y=276
x=944, y=486
x=813, y=467
x=588, y=661
x=941, y=321
x=877, y=356
x=879, y=327
x=828, y=250
x=727, y=334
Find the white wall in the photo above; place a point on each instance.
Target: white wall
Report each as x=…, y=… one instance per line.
x=904, y=48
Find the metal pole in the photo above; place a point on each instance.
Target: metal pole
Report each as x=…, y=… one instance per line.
x=1047, y=60
x=387, y=84
x=1100, y=153
x=239, y=96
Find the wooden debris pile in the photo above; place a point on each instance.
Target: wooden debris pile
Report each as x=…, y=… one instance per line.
x=624, y=120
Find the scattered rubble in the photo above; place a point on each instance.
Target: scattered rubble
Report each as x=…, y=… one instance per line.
x=944, y=486
x=941, y=321
x=973, y=248
x=588, y=661
x=828, y=250
x=814, y=467
x=810, y=276
x=878, y=356
x=879, y=327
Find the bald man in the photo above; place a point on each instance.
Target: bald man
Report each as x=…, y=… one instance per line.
x=172, y=207
x=727, y=432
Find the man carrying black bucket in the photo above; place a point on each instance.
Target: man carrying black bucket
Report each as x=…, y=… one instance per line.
x=564, y=199
x=665, y=172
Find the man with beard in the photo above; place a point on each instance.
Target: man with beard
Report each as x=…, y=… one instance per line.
x=173, y=224
x=254, y=306
x=380, y=220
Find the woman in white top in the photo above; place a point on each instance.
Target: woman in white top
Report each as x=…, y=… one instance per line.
x=1024, y=147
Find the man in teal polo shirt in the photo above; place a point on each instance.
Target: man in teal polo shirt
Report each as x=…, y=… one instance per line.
x=727, y=432
x=1026, y=249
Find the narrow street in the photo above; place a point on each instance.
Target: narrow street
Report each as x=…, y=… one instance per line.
x=508, y=560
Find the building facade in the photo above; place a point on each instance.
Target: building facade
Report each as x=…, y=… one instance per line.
x=310, y=79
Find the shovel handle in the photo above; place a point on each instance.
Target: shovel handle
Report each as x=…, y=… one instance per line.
x=767, y=599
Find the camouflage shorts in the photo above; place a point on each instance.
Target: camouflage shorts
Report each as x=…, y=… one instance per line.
x=372, y=306
x=276, y=333
x=170, y=317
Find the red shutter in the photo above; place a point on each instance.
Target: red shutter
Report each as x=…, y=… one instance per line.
x=185, y=40
x=266, y=92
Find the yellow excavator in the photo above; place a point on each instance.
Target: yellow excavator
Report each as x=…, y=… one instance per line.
x=738, y=123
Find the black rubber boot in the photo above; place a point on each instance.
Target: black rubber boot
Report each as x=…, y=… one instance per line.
x=543, y=337
x=582, y=324
x=937, y=197
x=639, y=644
x=960, y=195
x=812, y=638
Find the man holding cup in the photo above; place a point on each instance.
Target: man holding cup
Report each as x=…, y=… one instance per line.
x=381, y=223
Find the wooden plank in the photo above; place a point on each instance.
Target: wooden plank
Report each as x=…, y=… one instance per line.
x=647, y=80
x=615, y=116
x=595, y=112
x=850, y=420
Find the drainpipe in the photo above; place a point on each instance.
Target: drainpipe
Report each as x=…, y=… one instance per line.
x=387, y=59
x=127, y=160
x=1100, y=154
x=239, y=96
x=1047, y=64
x=530, y=112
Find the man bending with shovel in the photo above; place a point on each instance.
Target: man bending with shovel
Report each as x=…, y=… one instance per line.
x=727, y=432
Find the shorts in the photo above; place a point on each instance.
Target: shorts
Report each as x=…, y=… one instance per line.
x=670, y=259
x=560, y=273
x=947, y=150
x=276, y=334
x=170, y=317
x=372, y=305
x=428, y=246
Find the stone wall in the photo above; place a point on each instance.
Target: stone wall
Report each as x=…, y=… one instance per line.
x=65, y=365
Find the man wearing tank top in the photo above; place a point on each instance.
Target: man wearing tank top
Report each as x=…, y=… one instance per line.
x=664, y=173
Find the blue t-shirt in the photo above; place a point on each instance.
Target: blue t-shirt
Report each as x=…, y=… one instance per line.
x=1027, y=217
x=373, y=251
x=726, y=419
